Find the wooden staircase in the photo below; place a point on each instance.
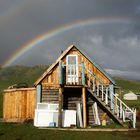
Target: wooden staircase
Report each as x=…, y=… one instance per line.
x=105, y=95
x=107, y=108
x=102, y=92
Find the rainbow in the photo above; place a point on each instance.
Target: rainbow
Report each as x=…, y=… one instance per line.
x=36, y=42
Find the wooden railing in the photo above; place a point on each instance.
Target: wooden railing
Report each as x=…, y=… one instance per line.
x=107, y=95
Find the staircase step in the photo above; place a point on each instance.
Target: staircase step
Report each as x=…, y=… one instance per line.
x=106, y=107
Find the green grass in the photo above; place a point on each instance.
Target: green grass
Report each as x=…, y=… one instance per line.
x=29, y=132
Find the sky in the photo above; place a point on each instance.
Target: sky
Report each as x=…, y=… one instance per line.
x=107, y=30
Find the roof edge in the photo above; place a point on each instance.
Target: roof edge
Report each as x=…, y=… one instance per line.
x=63, y=54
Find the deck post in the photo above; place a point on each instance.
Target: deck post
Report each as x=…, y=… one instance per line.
x=111, y=96
x=102, y=92
x=38, y=95
x=83, y=73
x=93, y=84
x=106, y=97
x=134, y=119
x=60, y=73
x=84, y=107
x=121, y=109
x=115, y=105
x=98, y=88
x=60, y=98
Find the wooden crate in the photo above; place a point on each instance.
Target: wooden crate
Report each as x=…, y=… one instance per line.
x=19, y=104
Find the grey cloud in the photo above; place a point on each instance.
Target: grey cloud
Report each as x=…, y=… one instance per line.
x=113, y=45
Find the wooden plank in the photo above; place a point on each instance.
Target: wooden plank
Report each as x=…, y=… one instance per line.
x=84, y=107
x=60, y=108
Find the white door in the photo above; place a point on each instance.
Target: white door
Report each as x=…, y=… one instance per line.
x=72, y=68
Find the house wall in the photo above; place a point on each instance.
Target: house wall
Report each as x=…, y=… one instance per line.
x=19, y=104
x=50, y=96
x=51, y=81
x=71, y=96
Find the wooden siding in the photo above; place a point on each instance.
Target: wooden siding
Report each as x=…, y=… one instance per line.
x=52, y=78
x=50, y=96
x=19, y=104
x=71, y=97
x=90, y=117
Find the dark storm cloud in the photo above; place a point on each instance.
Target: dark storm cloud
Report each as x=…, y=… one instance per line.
x=23, y=20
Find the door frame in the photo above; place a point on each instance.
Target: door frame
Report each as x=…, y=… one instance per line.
x=72, y=78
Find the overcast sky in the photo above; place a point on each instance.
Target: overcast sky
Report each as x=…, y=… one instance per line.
x=114, y=45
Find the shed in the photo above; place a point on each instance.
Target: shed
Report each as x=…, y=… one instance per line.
x=130, y=96
x=19, y=104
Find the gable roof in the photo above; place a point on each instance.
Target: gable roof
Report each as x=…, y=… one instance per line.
x=62, y=55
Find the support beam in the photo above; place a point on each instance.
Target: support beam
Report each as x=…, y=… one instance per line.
x=60, y=107
x=84, y=107
x=38, y=94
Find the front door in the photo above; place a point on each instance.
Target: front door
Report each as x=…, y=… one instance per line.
x=72, y=69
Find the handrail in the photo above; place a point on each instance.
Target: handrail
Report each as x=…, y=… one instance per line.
x=123, y=103
x=113, y=93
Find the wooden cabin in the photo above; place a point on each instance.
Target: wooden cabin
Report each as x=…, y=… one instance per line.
x=75, y=78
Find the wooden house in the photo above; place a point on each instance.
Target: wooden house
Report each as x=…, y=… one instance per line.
x=75, y=78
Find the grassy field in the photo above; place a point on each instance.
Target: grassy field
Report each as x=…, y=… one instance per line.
x=28, y=132
x=21, y=74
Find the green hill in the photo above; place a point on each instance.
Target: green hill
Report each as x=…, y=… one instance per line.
x=20, y=74
x=127, y=85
